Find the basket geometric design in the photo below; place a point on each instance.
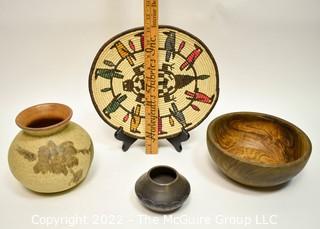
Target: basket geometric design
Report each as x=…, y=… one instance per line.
x=188, y=82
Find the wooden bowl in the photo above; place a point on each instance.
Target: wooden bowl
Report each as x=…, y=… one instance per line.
x=257, y=149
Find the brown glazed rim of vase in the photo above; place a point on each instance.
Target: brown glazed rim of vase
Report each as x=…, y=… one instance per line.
x=166, y=168
x=305, y=155
x=56, y=111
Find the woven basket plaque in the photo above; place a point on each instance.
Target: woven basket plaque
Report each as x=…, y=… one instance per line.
x=188, y=82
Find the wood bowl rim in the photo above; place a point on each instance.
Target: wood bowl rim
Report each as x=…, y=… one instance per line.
x=304, y=157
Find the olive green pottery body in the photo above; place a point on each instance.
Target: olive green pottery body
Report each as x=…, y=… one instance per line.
x=51, y=153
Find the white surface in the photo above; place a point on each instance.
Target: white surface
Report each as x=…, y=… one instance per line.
x=268, y=58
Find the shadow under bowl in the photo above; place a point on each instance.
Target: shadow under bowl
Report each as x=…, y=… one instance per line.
x=256, y=149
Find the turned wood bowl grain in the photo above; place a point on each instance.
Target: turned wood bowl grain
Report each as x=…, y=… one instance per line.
x=257, y=149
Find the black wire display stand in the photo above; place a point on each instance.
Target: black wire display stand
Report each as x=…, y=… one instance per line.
x=176, y=141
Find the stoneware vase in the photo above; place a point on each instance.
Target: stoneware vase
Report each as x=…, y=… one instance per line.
x=51, y=153
x=162, y=189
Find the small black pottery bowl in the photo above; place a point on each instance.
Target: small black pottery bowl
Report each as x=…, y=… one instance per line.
x=162, y=189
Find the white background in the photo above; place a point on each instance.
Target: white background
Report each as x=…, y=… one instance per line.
x=268, y=58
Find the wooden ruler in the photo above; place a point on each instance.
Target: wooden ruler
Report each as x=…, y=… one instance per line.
x=151, y=38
